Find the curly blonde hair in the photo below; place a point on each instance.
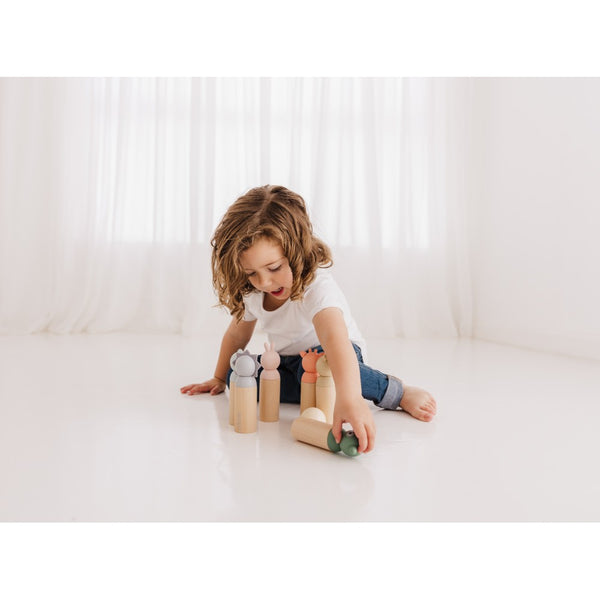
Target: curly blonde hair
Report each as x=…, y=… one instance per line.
x=271, y=212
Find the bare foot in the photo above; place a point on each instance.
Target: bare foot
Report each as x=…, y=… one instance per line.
x=418, y=403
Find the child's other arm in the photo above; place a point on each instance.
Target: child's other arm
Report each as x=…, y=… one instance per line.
x=237, y=336
x=350, y=406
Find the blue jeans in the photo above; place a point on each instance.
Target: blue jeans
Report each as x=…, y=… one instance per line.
x=384, y=391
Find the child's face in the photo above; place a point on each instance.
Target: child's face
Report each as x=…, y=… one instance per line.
x=268, y=269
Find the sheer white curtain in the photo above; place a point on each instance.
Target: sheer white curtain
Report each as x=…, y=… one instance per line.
x=110, y=190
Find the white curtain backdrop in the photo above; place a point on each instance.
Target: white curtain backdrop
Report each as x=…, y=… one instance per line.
x=110, y=190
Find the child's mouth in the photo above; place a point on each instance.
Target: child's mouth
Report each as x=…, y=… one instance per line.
x=278, y=292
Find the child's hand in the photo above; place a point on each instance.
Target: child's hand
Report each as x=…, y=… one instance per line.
x=214, y=386
x=357, y=413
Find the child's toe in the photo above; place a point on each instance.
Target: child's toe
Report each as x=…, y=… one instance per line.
x=427, y=412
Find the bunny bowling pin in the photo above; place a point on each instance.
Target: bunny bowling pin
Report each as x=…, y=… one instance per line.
x=269, y=385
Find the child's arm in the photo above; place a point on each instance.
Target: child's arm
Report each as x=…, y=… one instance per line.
x=350, y=406
x=237, y=336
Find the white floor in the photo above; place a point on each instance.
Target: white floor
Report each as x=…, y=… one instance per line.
x=93, y=428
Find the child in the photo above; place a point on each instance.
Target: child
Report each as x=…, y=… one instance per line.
x=267, y=266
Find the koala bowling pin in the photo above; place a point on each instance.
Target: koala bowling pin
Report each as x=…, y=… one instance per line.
x=246, y=368
x=270, y=382
x=309, y=378
x=232, y=381
x=325, y=389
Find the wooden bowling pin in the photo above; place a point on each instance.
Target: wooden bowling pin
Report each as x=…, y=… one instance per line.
x=270, y=383
x=232, y=382
x=317, y=433
x=246, y=367
x=325, y=389
x=308, y=397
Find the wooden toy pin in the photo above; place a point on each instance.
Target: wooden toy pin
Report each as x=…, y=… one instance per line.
x=270, y=383
x=317, y=433
x=232, y=382
x=325, y=389
x=309, y=378
x=246, y=368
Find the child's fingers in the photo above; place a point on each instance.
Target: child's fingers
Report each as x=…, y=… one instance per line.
x=366, y=437
x=336, y=429
x=363, y=441
x=202, y=388
x=197, y=388
x=371, y=438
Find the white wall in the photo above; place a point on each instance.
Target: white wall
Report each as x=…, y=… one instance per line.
x=535, y=213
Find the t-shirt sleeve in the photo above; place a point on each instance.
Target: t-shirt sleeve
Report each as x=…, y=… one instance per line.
x=249, y=302
x=324, y=293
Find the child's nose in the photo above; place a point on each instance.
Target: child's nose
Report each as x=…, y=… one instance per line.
x=264, y=281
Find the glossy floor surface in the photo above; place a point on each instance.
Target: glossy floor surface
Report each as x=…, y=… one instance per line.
x=93, y=428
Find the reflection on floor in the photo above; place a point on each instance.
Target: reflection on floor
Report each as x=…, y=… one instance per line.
x=93, y=428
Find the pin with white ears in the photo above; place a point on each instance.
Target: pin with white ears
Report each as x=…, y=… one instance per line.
x=270, y=385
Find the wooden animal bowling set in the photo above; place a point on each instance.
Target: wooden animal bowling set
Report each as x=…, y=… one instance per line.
x=317, y=398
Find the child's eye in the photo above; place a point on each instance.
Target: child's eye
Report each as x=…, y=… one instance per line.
x=275, y=269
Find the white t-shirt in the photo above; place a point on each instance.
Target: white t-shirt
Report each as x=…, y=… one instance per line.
x=290, y=326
